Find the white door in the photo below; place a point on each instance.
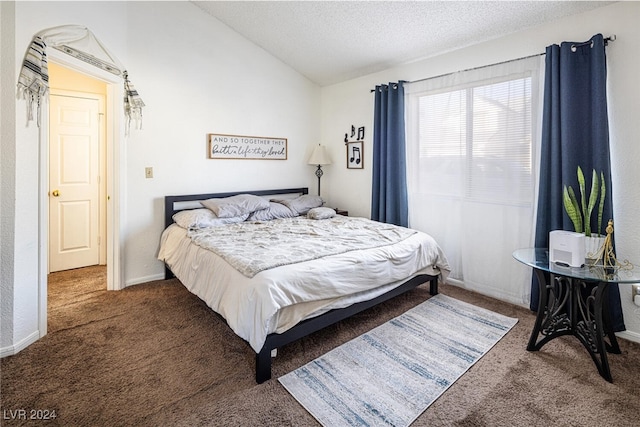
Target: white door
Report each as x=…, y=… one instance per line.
x=74, y=170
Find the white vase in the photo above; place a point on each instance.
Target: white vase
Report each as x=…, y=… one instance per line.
x=592, y=247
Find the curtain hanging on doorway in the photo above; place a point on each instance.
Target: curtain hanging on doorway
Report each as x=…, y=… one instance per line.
x=82, y=44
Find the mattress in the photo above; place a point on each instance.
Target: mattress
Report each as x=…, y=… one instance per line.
x=276, y=299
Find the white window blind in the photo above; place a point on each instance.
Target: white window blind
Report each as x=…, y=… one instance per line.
x=470, y=171
x=479, y=138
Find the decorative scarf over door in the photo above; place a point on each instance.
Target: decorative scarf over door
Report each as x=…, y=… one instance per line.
x=79, y=42
x=575, y=132
x=389, y=194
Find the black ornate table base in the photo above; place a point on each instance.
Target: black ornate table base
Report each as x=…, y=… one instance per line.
x=571, y=306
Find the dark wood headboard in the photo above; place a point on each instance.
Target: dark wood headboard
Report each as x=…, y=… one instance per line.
x=173, y=204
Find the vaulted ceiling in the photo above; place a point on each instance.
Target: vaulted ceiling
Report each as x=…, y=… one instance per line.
x=333, y=41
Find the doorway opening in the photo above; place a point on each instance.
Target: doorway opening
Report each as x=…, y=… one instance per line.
x=113, y=183
x=77, y=190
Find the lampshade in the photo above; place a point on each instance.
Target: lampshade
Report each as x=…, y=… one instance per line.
x=319, y=156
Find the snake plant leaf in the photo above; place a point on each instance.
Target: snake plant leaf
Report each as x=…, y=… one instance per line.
x=603, y=192
x=593, y=199
x=572, y=208
x=583, y=203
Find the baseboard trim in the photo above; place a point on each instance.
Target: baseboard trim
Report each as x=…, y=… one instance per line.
x=145, y=279
x=628, y=335
x=17, y=348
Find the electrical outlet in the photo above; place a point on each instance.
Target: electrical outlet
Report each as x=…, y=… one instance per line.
x=148, y=172
x=635, y=294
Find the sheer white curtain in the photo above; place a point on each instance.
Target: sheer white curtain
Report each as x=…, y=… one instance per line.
x=472, y=138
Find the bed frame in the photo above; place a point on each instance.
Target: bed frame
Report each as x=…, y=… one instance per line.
x=175, y=204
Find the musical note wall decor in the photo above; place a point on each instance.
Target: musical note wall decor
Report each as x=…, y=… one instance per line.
x=351, y=135
x=355, y=155
x=354, y=143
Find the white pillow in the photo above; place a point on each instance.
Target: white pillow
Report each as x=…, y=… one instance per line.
x=203, y=218
x=321, y=213
x=235, y=206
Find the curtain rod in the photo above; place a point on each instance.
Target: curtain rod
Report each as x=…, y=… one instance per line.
x=606, y=42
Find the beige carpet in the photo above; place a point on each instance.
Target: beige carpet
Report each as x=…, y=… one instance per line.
x=153, y=355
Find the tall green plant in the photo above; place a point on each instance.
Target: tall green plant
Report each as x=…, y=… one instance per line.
x=580, y=213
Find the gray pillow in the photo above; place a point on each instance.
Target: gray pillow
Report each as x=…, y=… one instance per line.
x=235, y=206
x=275, y=210
x=321, y=213
x=302, y=204
x=203, y=218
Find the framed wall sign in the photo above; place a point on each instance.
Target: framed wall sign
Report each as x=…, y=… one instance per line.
x=355, y=156
x=243, y=147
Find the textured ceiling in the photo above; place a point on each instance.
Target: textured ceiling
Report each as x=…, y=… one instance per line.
x=333, y=41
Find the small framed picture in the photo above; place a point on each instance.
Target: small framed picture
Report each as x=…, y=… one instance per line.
x=355, y=156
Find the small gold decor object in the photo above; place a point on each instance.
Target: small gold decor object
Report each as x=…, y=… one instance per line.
x=606, y=256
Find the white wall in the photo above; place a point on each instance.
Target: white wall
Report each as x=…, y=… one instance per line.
x=352, y=102
x=204, y=80
x=196, y=76
x=7, y=169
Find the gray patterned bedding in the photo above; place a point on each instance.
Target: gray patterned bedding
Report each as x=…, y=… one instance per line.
x=255, y=246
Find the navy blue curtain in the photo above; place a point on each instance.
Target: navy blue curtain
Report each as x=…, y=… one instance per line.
x=389, y=199
x=575, y=132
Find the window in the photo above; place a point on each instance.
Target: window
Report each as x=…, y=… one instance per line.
x=471, y=175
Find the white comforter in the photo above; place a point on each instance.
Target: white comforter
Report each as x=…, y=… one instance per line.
x=278, y=298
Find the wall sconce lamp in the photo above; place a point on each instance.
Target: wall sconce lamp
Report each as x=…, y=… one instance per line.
x=319, y=157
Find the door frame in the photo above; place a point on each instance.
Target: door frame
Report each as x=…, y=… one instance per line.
x=116, y=184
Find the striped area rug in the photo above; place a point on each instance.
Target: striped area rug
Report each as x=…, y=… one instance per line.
x=391, y=374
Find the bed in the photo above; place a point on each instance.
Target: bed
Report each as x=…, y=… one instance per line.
x=270, y=294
